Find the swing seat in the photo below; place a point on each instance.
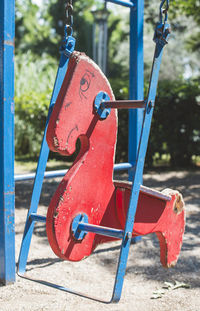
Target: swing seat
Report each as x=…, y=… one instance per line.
x=87, y=192
x=157, y=212
x=89, y=208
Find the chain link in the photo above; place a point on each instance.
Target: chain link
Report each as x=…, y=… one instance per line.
x=69, y=17
x=164, y=11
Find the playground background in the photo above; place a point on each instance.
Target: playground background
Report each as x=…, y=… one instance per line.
x=144, y=278
x=175, y=133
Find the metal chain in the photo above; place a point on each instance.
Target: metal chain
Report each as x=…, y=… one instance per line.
x=162, y=30
x=164, y=11
x=69, y=17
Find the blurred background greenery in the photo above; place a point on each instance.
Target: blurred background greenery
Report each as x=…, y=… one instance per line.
x=175, y=133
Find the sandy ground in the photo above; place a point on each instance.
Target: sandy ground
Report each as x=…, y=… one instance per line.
x=95, y=275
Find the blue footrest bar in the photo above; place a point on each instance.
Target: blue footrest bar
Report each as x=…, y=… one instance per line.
x=39, y=218
x=115, y=233
x=80, y=227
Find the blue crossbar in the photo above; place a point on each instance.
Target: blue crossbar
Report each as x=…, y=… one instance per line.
x=127, y=4
x=60, y=173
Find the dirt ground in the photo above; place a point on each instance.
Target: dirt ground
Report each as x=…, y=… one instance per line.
x=145, y=277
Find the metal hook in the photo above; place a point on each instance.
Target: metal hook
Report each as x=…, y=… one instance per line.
x=164, y=11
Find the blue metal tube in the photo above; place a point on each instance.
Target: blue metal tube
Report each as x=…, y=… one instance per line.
x=7, y=196
x=136, y=81
x=39, y=218
x=115, y=233
x=122, y=166
x=51, y=174
x=60, y=173
x=127, y=4
x=140, y=162
x=136, y=85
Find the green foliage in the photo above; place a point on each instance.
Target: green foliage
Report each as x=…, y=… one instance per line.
x=176, y=127
x=191, y=9
x=30, y=122
x=32, y=28
x=33, y=87
x=41, y=29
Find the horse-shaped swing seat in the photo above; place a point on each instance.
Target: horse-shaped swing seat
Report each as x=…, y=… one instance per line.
x=88, y=188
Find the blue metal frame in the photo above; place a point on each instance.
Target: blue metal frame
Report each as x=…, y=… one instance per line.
x=135, y=118
x=139, y=128
x=7, y=230
x=136, y=81
x=80, y=225
x=135, y=121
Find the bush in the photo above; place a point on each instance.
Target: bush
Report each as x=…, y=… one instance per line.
x=176, y=123
x=33, y=88
x=30, y=118
x=175, y=130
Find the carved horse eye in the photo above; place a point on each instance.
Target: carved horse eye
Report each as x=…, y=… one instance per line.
x=85, y=83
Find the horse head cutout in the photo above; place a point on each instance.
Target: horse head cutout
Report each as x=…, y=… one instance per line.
x=73, y=116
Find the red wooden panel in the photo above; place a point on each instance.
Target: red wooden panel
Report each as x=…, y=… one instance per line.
x=165, y=218
x=88, y=186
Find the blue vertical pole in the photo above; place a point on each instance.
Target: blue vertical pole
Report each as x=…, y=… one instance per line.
x=136, y=80
x=136, y=83
x=7, y=230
